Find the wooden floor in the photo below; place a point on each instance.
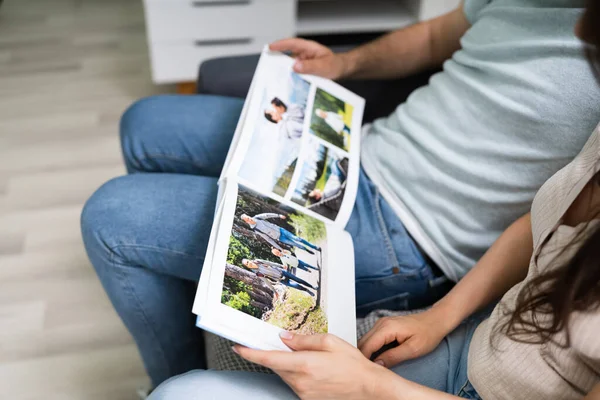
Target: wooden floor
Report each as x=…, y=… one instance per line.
x=68, y=68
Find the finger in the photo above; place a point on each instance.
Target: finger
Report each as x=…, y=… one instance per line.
x=406, y=351
x=324, y=342
x=276, y=360
x=381, y=337
x=294, y=45
x=316, y=66
x=371, y=331
x=376, y=328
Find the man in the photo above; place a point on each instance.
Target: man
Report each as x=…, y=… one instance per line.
x=268, y=230
x=290, y=119
x=278, y=273
x=333, y=186
x=291, y=261
x=442, y=176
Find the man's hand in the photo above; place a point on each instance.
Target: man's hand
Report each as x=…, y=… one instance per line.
x=323, y=367
x=314, y=58
x=417, y=335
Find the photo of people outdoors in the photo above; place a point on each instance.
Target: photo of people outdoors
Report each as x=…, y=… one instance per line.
x=271, y=157
x=331, y=119
x=322, y=182
x=274, y=265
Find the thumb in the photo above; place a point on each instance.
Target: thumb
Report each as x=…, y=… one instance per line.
x=406, y=351
x=317, y=66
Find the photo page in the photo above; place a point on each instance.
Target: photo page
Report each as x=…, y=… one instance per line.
x=270, y=267
x=300, y=140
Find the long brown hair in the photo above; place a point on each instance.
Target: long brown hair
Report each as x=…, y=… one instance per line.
x=545, y=303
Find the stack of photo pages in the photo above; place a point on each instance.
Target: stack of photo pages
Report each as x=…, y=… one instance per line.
x=278, y=256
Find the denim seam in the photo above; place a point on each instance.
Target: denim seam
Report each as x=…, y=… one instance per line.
x=129, y=289
x=462, y=389
x=150, y=157
x=385, y=233
x=156, y=248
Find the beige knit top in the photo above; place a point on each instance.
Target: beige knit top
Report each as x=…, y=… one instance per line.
x=513, y=370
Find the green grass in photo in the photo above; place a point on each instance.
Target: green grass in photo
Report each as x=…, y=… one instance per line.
x=308, y=228
x=328, y=102
x=297, y=312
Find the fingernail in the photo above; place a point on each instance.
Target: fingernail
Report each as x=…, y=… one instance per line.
x=235, y=350
x=298, y=66
x=380, y=362
x=286, y=335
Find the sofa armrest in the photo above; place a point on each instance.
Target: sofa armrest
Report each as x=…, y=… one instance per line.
x=227, y=76
x=231, y=76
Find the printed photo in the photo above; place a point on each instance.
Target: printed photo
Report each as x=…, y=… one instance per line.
x=322, y=182
x=271, y=157
x=275, y=263
x=331, y=119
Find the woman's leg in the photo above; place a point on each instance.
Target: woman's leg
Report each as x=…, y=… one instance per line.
x=289, y=238
x=299, y=280
x=297, y=286
x=391, y=272
x=220, y=385
x=445, y=368
x=146, y=234
x=305, y=266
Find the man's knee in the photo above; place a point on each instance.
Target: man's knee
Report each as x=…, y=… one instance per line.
x=139, y=120
x=103, y=212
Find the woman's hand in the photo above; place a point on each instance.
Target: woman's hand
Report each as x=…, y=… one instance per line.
x=417, y=335
x=322, y=367
x=314, y=58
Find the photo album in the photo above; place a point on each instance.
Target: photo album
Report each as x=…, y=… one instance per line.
x=278, y=257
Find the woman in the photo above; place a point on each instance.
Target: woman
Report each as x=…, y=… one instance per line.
x=540, y=342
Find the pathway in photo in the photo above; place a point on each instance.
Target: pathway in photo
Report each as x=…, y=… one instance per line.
x=315, y=278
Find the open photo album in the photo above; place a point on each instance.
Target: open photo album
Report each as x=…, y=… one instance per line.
x=278, y=257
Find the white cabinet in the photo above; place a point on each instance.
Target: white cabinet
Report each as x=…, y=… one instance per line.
x=183, y=33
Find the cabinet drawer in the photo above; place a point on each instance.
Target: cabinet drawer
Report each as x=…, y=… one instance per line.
x=180, y=62
x=172, y=22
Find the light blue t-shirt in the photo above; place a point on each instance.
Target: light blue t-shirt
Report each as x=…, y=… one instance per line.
x=465, y=155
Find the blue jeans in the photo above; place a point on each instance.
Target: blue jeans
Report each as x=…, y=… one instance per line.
x=287, y=237
x=146, y=233
x=292, y=277
x=444, y=369
x=306, y=266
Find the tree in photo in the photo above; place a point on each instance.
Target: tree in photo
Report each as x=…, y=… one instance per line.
x=313, y=173
x=283, y=182
x=246, y=292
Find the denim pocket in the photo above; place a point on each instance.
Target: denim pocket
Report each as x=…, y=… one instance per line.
x=394, y=292
x=397, y=302
x=468, y=392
